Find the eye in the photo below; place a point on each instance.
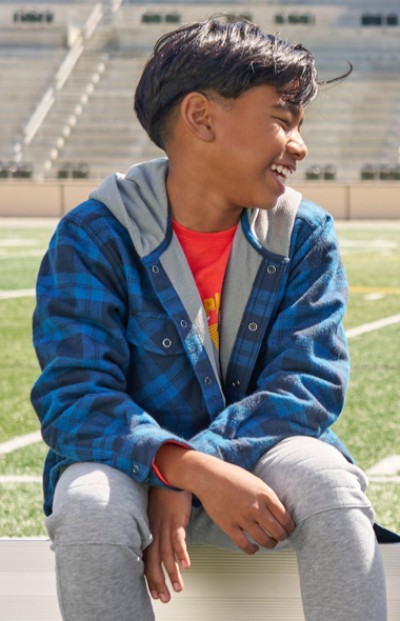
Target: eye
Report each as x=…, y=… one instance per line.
x=284, y=122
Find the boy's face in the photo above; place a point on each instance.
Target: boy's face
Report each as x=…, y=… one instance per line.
x=257, y=146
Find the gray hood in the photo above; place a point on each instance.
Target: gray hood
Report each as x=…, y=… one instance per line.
x=139, y=202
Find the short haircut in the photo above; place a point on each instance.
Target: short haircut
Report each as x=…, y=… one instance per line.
x=224, y=57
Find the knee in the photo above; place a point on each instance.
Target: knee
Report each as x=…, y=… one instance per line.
x=310, y=476
x=97, y=504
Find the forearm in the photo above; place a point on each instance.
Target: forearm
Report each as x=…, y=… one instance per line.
x=238, y=501
x=185, y=468
x=194, y=471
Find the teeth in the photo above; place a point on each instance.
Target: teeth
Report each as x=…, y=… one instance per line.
x=281, y=170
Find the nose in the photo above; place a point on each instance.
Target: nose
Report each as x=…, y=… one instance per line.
x=297, y=146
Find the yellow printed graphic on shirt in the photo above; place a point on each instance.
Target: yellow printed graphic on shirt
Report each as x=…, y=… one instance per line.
x=211, y=307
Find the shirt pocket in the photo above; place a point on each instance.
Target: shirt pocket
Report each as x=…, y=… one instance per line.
x=154, y=333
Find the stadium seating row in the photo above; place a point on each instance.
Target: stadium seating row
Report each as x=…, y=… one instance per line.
x=32, y=16
x=16, y=171
x=294, y=18
x=157, y=18
x=70, y=170
x=327, y=172
x=366, y=19
x=81, y=170
x=380, y=19
x=369, y=172
x=383, y=171
x=89, y=118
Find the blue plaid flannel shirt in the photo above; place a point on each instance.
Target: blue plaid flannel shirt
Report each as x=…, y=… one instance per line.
x=111, y=392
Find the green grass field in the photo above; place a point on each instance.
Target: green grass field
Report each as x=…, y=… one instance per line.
x=370, y=424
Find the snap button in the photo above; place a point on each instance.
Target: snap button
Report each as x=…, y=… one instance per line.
x=135, y=469
x=167, y=343
x=236, y=383
x=155, y=269
x=253, y=327
x=207, y=380
x=271, y=269
x=184, y=323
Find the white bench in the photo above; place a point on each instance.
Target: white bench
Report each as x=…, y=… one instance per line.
x=220, y=586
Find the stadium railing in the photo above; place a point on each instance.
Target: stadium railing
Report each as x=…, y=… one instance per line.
x=383, y=172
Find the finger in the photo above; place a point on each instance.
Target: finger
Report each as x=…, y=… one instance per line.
x=180, y=548
x=260, y=536
x=279, y=515
x=154, y=574
x=284, y=518
x=240, y=539
x=171, y=565
x=267, y=524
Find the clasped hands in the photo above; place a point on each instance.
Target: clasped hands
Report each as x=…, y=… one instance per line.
x=240, y=503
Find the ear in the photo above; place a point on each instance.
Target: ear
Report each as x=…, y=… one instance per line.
x=196, y=113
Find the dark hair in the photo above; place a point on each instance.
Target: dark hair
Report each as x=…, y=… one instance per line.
x=224, y=57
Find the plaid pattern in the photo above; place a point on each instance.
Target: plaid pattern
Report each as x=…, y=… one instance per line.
x=123, y=371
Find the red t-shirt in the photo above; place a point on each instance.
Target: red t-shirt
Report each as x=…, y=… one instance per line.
x=207, y=255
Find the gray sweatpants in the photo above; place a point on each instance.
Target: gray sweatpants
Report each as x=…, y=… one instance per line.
x=99, y=529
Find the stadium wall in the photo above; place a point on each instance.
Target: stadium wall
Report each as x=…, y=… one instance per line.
x=344, y=201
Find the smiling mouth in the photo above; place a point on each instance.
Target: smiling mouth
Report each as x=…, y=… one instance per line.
x=282, y=172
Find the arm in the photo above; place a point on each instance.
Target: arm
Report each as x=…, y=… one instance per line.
x=300, y=377
x=240, y=503
x=79, y=335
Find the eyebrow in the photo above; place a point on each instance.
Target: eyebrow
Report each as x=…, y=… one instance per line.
x=292, y=108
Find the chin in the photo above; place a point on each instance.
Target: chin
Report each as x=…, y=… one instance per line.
x=271, y=201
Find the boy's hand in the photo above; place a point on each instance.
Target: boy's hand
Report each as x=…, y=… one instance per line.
x=238, y=501
x=243, y=505
x=169, y=513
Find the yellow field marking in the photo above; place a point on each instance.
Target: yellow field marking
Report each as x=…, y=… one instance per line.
x=385, y=290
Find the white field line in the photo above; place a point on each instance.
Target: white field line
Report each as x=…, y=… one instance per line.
x=24, y=255
x=376, y=474
x=384, y=479
x=385, y=471
x=373, y=325
x=16, y=242
x=20, y=442
x=20, y=478
x=18, y=293
x=39, y=223
x=372, y=297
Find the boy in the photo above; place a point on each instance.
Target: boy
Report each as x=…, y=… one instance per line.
x=189, y=328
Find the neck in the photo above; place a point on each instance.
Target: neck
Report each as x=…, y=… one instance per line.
x=198, y=207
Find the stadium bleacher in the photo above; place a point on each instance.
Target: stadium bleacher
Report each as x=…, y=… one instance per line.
x=68, y=82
